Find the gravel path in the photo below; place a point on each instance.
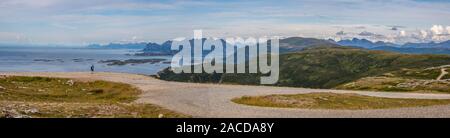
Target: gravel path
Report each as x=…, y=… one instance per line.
x=443, y=73
x=213, y=100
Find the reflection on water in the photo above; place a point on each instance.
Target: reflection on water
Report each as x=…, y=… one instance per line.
x=73, y=60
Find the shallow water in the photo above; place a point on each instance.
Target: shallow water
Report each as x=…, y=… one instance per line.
x=72, y=60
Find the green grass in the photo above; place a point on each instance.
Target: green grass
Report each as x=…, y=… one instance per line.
x=405, y=80
x=417, y=73
x=331, y=67
x=334, y=101
x=327, y=67
x=61, y=90
x=55, y=97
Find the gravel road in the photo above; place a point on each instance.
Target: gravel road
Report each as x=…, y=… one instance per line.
x=213, y=100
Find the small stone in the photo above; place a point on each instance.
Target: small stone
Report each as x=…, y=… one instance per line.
x=160, y=116
x=2, y=88
x=134, y=114
x=70, y=82
x=31, y=111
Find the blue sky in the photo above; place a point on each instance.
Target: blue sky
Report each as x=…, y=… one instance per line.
x=81, y=22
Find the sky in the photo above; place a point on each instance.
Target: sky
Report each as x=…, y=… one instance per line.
x=82, y=22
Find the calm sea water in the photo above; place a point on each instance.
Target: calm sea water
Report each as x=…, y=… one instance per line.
x=72, y=60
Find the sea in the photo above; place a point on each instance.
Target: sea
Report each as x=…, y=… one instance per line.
x=51, y=59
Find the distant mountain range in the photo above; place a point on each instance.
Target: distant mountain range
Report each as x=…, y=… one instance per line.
x=445, y=44
x=295, y=44
x=410, y=48
x=364, y=43
x=154, y=49
x=158, y=48
x=292, y=44
x=140, y=45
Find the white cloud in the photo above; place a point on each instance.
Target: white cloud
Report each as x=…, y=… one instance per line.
x=423, y=34
x=179, y=39
x=437, y=29
x=448, y=29
x=440, y=33
x=72, y=21
x=437, y=33
x=402, y=33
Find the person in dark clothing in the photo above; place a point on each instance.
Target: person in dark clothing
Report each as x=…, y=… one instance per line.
x=92, y=68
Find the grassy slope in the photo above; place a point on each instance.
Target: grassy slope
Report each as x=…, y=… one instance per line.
x=334, y=101
x=52, y=97
x=410, y=80
x=295, y=44
x=329, y=67
x=324, y=67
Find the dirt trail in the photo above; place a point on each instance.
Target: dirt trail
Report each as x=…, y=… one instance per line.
x=213, y=100
x=443, y=73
